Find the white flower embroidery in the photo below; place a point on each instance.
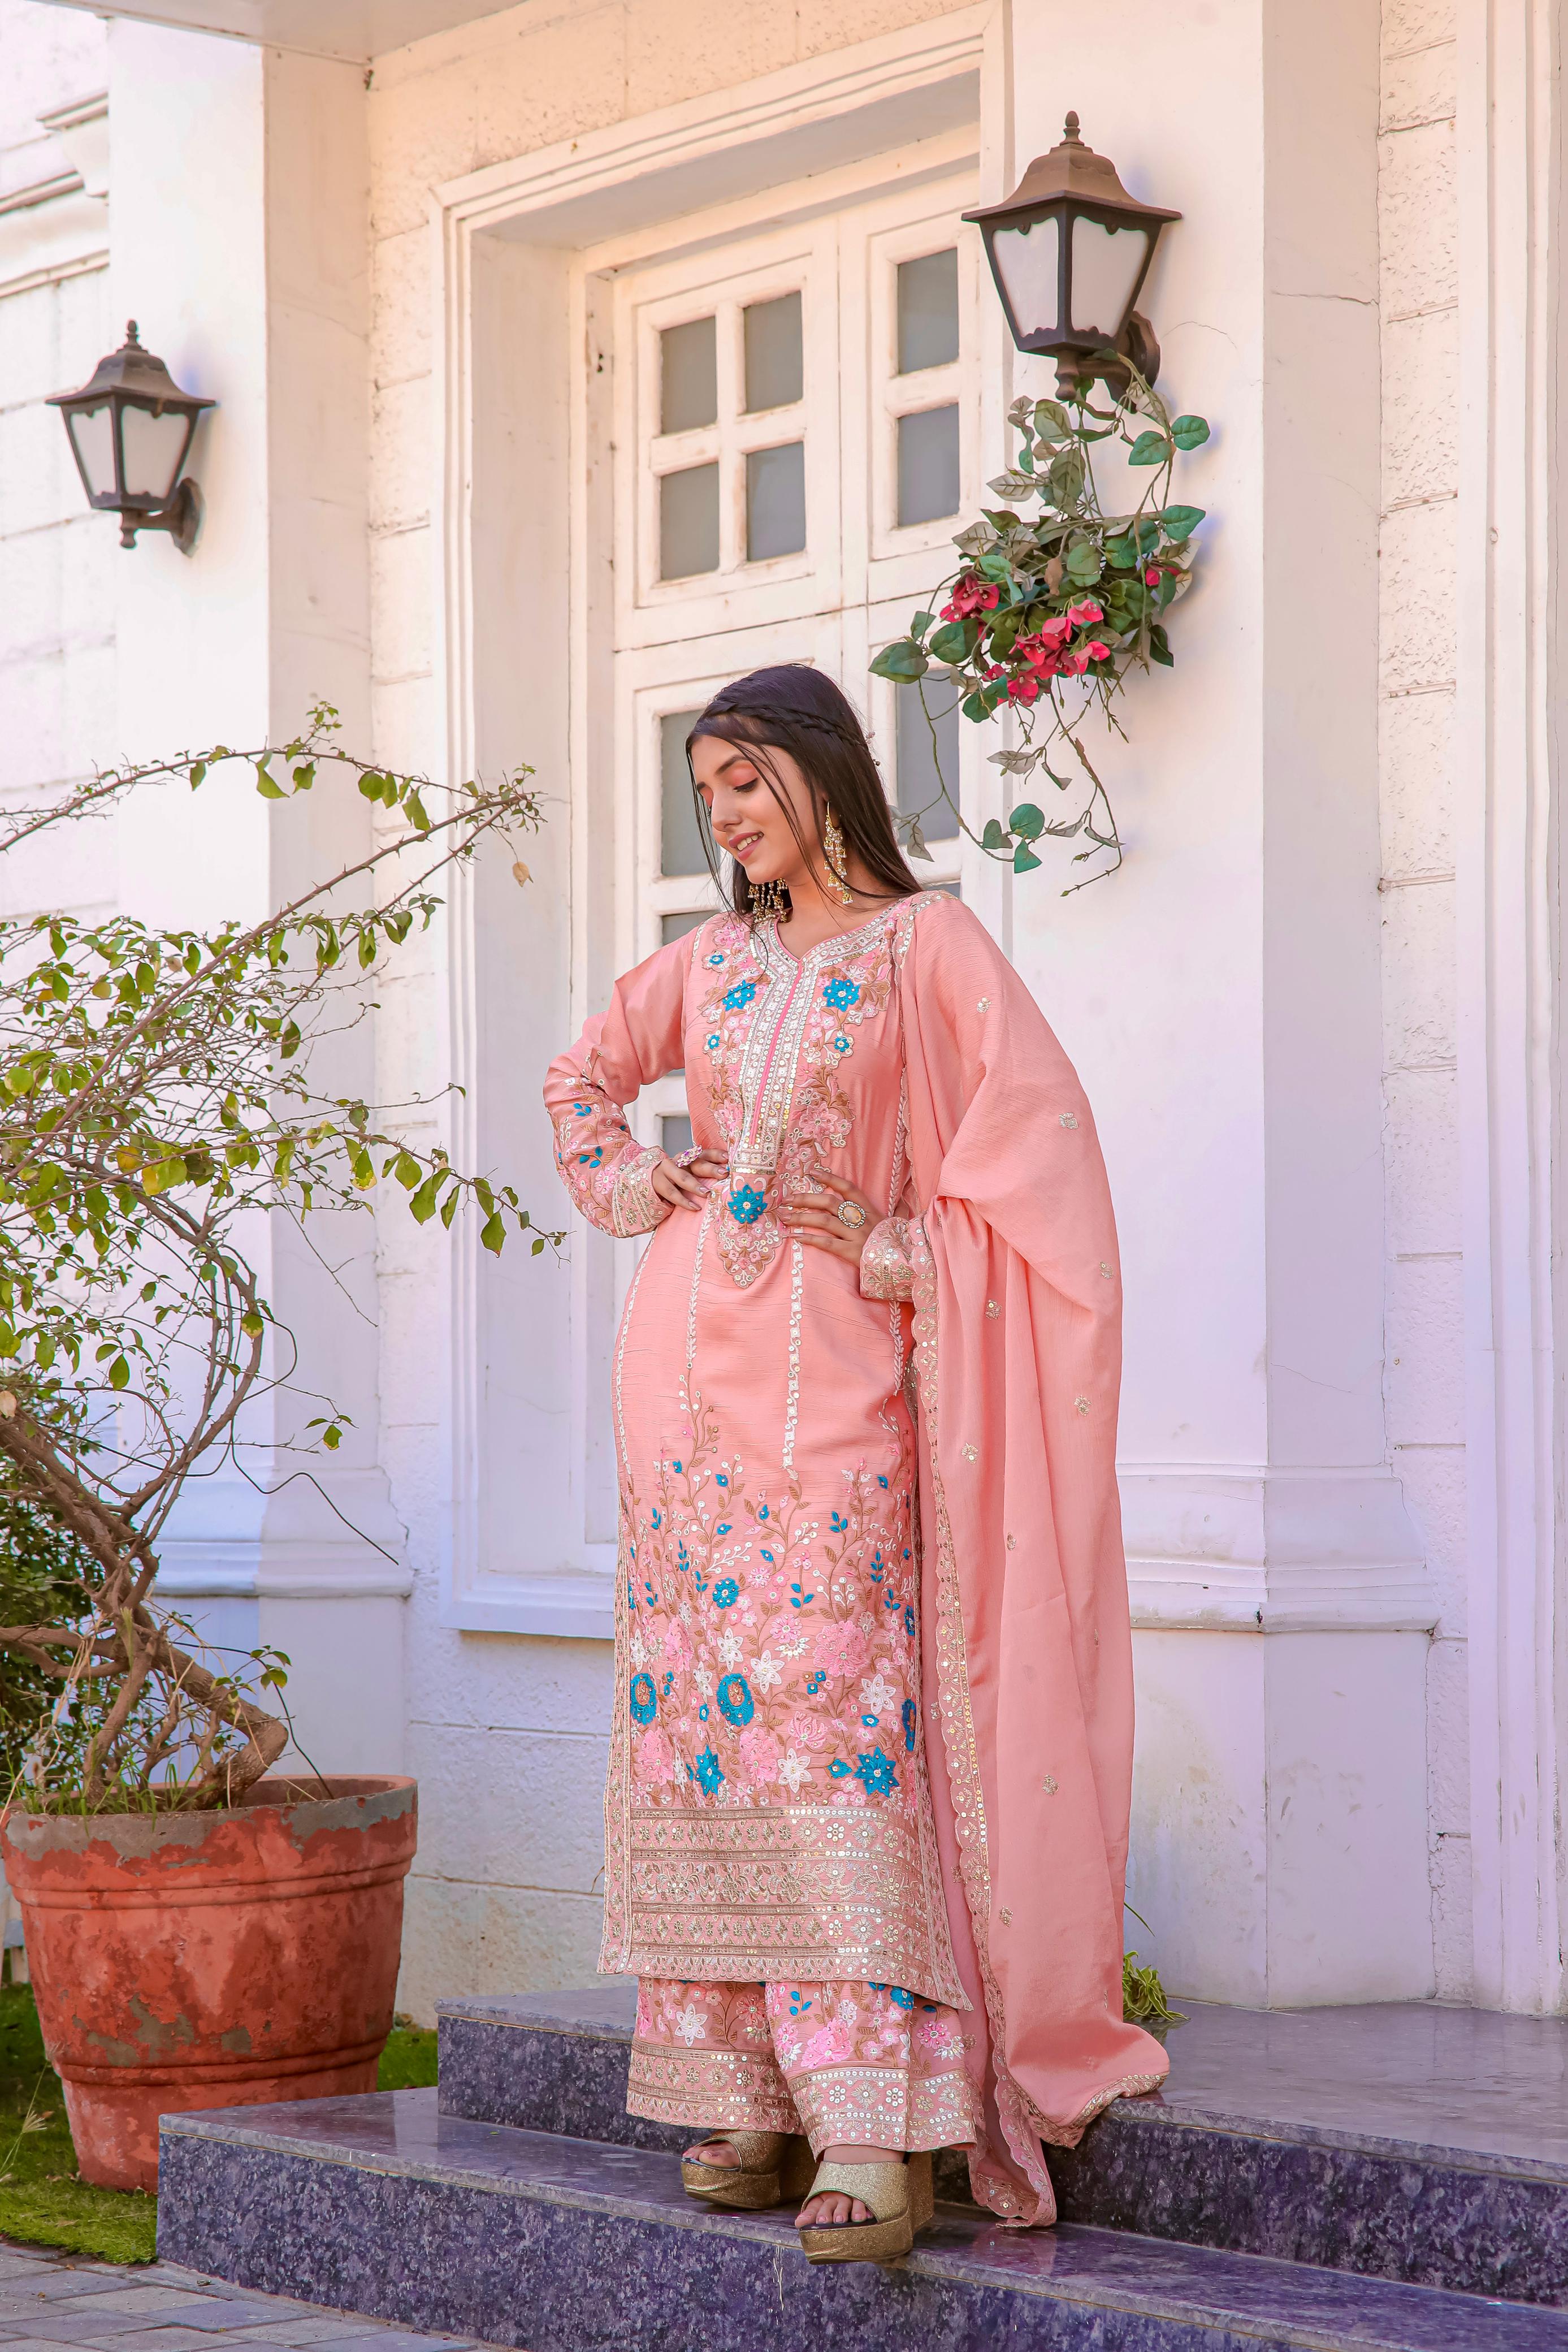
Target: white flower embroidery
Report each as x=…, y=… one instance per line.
x=689, y=2024
x=639, y=1649
x=730, y=1650
x=794, y=1648
x=877, y=1695
x=793, y=1771
x=766, y=1671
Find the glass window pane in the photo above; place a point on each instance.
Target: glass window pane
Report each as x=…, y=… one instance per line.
x=92, y=436
x=928, y=311
x=688, y=522
x=916, y=758
x=675, y=1136
x=1028, y=260
x=774, y=360
x=928, y=465
x=680, y=835
x=675, y=927
x=688, y=376
x=1105, y=265
x=775, y=501
x=152, y=446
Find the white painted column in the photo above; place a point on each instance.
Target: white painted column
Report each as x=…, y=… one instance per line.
x=239, y=242
x=1222, y=998
x=1510, y=135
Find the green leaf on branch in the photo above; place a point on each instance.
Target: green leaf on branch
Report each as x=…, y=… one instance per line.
x=1180, y=522
x=903, y=662
x=1052, y=422
x=269, y=789
x=493, y=1235
x=1024, y=859
x=993, y=838
x=1083, y=564
x=1027, y=822
x=1189, y=432
x=955, y=642
x=1149, y=449
x=119, y=1373
x=423, y=1203
x=920, y=623
x=1160, y=647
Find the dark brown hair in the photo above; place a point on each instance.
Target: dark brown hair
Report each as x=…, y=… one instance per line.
x=795, y=709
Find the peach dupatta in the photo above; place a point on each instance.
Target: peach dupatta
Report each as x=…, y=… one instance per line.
x=1026, y=1647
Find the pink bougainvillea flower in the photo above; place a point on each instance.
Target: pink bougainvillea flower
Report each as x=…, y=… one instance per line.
x=1152, y=576
x=995, y=670
x=970, y=596
x=1085, y=614
x=1057, y=632
x=1076, y=662
x=1097, y=650
x=1023, y=689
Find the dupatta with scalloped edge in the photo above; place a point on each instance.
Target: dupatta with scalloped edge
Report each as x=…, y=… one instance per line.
x=1026, y=1646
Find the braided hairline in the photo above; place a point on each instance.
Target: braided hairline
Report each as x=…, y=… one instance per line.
x=766, y=716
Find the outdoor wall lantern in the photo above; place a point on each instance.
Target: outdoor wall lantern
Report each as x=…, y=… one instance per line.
x=1069, y=251
x=131, y=431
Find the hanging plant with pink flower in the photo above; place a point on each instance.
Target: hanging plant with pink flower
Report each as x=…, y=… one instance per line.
x=1051, y=613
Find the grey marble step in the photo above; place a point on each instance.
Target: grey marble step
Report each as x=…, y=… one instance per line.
x=382, y=2205
x=1404, y=2141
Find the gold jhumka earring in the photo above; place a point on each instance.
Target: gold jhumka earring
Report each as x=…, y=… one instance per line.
x=833, y=852
x=768, y=900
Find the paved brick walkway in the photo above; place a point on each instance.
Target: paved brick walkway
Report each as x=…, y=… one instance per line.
x=51, y=2299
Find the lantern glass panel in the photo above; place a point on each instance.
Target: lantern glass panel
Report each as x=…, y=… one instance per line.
x=1105, y=265
x=154, y=445
x=1026, y=259
x=92, y=438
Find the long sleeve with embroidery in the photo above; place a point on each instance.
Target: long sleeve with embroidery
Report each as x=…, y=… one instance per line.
x=607, y=1171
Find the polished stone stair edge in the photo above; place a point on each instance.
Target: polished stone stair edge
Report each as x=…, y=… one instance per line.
x=380, y=2205
x=1385, y=2209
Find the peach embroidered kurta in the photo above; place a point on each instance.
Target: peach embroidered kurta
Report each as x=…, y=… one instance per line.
x=784, y=1683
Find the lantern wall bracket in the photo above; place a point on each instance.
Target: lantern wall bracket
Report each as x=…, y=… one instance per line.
x=181, y=519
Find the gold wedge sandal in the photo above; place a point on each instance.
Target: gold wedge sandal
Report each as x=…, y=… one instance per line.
x=775, y=2168
x=899, y=2196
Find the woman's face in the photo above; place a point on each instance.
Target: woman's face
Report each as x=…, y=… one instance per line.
x=748, y=820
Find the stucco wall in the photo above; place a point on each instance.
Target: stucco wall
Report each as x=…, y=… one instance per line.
x=56, y=637
x=1420, y=334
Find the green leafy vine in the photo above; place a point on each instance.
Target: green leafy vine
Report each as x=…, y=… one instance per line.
x=1049, y=615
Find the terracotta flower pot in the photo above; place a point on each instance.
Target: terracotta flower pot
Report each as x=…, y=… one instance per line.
x=186, y=1960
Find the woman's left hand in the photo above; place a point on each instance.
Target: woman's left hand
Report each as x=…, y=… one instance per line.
x=819, y=1222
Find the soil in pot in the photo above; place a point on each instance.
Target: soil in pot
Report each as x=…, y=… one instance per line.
x=190, y=1960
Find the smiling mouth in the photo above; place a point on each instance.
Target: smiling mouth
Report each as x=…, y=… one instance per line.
x=743, y=848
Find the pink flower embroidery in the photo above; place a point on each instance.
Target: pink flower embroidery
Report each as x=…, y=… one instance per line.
x=833, y=2045
x=655, y=1761
x=840, y=1650
x=759, y=1757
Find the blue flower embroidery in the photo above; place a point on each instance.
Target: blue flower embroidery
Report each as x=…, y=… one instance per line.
x=838, y=1769
x=875, y=1773
x=721, y=1478
x=723, y=1528
x=762, y=1510
x=644, y=1698
x=716, y=961
x=909, y=1716
x=842, y=993
x=869, y=1722
x=737, y=998
x=713, y=1043
x=746, y=1205
x=909, y=1622
x=734, y=1699
x=702, y=1713
x=708, y=1775
x=725, y=1592
x=899, y=1998
x=841, y=1044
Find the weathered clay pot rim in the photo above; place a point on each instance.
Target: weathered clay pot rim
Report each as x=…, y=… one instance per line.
x=333, y=1790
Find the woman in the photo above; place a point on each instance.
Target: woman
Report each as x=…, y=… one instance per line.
x=867, y=1812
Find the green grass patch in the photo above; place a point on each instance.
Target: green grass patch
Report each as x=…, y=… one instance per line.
x=44, y=2201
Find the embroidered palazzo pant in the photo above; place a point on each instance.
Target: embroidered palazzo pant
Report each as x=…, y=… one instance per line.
x=842, y=2062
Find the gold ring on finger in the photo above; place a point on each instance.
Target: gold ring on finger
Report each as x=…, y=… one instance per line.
x=851, y=1215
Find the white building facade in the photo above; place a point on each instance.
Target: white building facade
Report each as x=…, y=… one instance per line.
x=435, y=263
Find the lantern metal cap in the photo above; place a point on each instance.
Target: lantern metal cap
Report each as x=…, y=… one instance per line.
x=1070, y=169
x=135, y=372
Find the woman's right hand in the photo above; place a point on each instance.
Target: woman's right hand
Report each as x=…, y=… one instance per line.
x=688, y=1187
